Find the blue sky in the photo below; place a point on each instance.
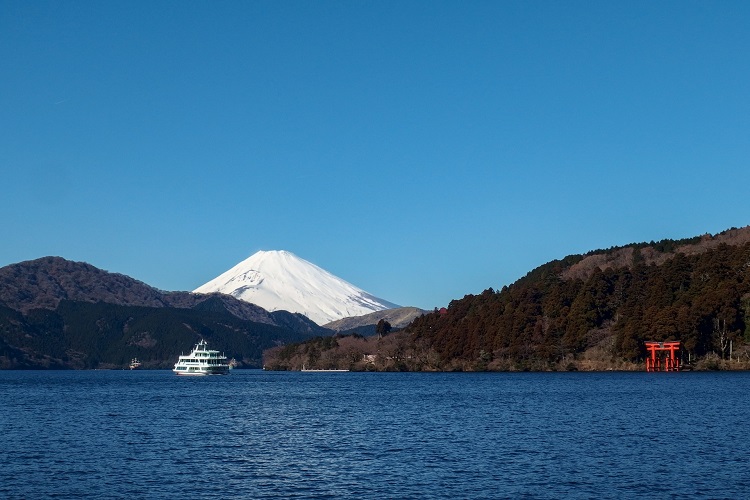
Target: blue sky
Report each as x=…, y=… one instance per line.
x=421, y=150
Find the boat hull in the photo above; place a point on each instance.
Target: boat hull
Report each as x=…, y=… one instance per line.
x=201, y=373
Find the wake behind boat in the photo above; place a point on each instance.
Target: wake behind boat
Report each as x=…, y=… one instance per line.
x=202, y=361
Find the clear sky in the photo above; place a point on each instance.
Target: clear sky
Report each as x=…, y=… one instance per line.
x=421, y=150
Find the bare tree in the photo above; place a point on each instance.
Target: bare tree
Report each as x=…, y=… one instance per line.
x=722, y=335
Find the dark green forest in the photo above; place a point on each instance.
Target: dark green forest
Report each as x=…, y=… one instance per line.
x=591, y=311
x=701, y=300
x=83, y=335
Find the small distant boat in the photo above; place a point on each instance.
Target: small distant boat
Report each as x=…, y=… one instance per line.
x=233, y=363
x=134, y=363
x=202, y=361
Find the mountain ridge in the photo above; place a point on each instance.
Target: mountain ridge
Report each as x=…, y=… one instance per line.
x=653, y=252
x=56, y=313
x=398, y=317
x=44, y=282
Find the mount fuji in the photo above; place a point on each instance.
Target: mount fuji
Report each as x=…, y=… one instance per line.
x=279, y=280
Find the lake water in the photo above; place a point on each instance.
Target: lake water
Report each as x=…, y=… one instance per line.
x=254, y=434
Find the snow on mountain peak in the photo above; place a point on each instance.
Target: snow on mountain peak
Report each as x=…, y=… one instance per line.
x=279, y=280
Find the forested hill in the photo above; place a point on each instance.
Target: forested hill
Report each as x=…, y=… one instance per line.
x=56, y=313
x=607, y=301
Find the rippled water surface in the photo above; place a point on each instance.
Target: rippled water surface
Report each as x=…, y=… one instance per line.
x=253, y=434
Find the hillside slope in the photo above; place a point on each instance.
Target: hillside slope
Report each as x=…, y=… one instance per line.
x=83, y=335
x=398, y=318
x=279, y=280
x=590, y=311
x=56, y=313
x=43, y=283
x=695, y=290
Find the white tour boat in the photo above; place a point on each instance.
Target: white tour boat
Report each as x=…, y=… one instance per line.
x=202, y=361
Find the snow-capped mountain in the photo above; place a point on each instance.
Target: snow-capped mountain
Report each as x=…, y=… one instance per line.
x=279, y=280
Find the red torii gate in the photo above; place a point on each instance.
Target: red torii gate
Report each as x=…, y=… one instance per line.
x=666, y=360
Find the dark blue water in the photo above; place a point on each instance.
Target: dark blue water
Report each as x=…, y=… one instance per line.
x=122, y=434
